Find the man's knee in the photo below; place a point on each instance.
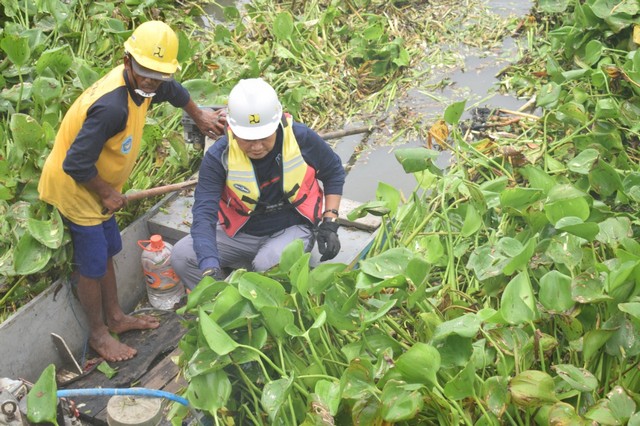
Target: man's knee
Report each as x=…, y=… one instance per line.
x=182, y=256
x=265, y=260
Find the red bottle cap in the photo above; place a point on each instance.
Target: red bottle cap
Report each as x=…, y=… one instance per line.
x=156, y=242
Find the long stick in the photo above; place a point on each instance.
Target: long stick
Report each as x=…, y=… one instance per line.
x=347, y=132
x=152, y=192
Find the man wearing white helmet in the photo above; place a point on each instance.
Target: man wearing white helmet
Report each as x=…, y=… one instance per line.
x=258, y=190
x=94, y=152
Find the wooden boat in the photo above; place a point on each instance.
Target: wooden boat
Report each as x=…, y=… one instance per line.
x=51, y=328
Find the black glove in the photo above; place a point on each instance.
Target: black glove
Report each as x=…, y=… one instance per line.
x=215, y=273
x=328, y=241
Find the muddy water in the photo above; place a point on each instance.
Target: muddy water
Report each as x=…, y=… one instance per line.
x=369, y=162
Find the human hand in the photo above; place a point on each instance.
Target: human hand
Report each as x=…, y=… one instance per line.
x=113, y=202
x=211, y=122
x=215, y=273
x=328, y=241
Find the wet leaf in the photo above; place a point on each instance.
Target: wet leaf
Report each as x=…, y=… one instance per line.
x=16, y=47
x=42, y=400
x=30, y=256
x=496, y=394
x=58, y=59
x=261, y=291
x=209, y=392
x=467, y=325
x=48, y=233
x=283, y=26
x=217, y=339
x=575, y=226
x=389, y=264
x=277, y=319
x=517, y=304
x=579, y=378
x=413, y=367
x=566, y=200
x=329, y=394
x=462, y=385
x=583, y=162
x=532, y=388
x=26, y=131
x=322, y=276
x=376, y=208
x=418, y=159
x=107, y=370
x=593, y=341
x=400, y=401
x=454, y=111
x=274, y=395
x=555, y=292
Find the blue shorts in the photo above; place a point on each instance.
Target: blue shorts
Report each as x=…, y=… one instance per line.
x=93, y=245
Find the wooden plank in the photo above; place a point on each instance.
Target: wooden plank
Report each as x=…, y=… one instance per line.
x=151, y=345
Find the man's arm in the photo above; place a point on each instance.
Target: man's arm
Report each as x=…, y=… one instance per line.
x=211, y=123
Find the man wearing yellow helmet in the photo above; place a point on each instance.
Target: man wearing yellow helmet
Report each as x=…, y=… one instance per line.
x=268, y=181
x=94, y=152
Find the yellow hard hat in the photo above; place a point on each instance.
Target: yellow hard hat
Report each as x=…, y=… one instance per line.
x=154, y=45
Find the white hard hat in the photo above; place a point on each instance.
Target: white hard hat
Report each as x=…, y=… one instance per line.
x=254, y=109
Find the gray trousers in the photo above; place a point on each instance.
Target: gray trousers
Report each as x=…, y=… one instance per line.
x=242, y=251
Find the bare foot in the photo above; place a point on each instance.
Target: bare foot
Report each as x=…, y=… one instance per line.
x=130, y=322
x=111, y=349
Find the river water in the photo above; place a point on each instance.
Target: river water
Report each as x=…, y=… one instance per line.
x=368, y=159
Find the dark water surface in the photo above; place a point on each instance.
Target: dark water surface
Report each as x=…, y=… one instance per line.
x=476, y=82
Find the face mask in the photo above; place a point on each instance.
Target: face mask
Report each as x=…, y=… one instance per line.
x=144, y=94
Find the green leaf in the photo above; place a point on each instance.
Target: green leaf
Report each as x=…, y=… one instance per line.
x=283, y=26
x=583, y=162
x=565, y=200
x=357, y=380
x=555, y=292
x=46, y=89
x=388, y=264
x=579, y=378
x=519, y=198
x=417, y=159
x=472, y=222
x=462, y=385
x=107, y=370
x=290, y=255
x=604, y=179
x=42, y=400
x=329, y=395
x=453, y=112
x=322, y=276
x=496, y=393
x=549, y=95
x=594, y=340
x=575, y=226
x=261, y=291
x=532, y=388
x=58, y=59
x=520, y=261
x=216, y=338
x=467, y=325
x=202, y=91
x=277, y=319
x=26, y=131
x=517, y=305
x=400, y=401
x=209, y=392
x=17, y=48
x=632, y=308
x=30, y=256
x=274, y=395
x=413, y=367
x=48, y=233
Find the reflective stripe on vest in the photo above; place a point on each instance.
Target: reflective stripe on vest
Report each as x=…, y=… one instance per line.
x=240, y=196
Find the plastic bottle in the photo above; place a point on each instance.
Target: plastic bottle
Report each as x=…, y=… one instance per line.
x=164, y=288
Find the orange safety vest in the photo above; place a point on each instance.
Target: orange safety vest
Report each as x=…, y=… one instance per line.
x=242, y=192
